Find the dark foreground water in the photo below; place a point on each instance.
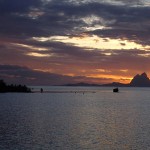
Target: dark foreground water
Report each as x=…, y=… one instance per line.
x=75, y=121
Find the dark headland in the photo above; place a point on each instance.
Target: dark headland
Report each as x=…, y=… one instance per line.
x=4, y=88
x=137, y=81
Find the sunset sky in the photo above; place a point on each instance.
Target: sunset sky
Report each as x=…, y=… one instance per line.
x=53, y=42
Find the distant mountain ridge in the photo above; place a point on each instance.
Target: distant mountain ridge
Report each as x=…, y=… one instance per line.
x=137, y=81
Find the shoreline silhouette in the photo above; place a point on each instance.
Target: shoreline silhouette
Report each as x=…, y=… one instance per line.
x=4, y=88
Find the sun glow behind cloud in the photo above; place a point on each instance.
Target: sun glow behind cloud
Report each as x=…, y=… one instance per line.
x=35, y=48
x=37, y=54
x=93, y=42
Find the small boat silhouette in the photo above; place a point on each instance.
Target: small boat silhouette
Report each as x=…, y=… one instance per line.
x=115, y=90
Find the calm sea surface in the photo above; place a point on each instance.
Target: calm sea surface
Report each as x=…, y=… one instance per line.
x=97, y=119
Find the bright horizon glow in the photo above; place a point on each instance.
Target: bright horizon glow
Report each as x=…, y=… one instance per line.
x=116, y=78
x=98, y=76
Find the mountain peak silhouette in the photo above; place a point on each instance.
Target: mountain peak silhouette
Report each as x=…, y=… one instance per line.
x=140, y=80
x=144, y=75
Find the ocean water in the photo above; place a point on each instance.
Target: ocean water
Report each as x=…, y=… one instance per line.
x=76, y=118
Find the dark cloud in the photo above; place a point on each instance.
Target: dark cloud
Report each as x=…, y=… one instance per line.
x=24, y=75
x=13, y=6
x=65, y=18
x=130, y=23
x=129, y=2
